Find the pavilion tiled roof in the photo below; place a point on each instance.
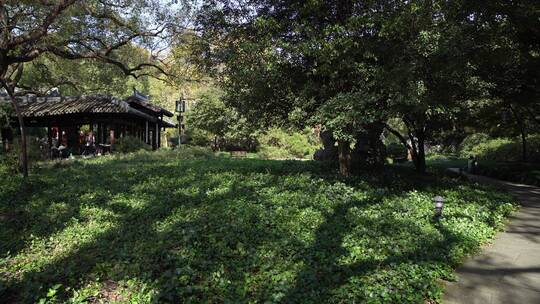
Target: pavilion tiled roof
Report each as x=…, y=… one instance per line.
x=34, y=107
x=51, y=106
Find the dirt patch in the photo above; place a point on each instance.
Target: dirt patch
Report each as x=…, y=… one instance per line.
x=109, y=293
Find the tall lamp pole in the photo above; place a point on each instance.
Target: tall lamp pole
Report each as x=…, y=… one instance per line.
x=180, y=109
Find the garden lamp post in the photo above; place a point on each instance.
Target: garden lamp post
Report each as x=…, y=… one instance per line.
x=439, y=203
x=180, y=109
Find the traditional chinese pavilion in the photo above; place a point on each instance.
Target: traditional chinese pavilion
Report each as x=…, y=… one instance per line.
x=107, y=117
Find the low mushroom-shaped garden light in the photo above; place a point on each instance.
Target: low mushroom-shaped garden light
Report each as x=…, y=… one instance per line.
x=439, y=203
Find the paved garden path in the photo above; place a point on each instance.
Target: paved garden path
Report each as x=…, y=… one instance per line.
x=508, y=271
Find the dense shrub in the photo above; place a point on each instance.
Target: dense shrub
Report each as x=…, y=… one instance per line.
x=396, y=151
x=37, y=150
x=533, y=148
x=9, y=162
x=212, y=123
x=185, y=152
x=512, y=172
x=198, y=137
x=279, y=144
x=229, y=142
x=503, y=149
x=128, y=144
x=238, y=142
x=499, y=149
x=471, y=141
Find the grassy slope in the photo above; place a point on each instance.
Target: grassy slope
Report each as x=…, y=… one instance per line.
x=159, y=227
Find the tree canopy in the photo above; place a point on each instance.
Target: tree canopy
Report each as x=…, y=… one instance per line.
x=431, y=67
x=349, y=64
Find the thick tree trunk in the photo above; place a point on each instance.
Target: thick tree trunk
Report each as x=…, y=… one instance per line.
x=377, y=148
x=523, y=132
x=344, y=151
x=369, y=150
x=420, y=163
x=523, y=144
x=329, y=152
x=418, y=151
x=24, y=153
x=417, y=138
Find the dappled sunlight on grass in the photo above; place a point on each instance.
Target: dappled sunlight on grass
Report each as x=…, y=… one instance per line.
x=175, y=228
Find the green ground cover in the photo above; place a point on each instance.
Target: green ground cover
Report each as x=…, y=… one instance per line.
x=171, y=227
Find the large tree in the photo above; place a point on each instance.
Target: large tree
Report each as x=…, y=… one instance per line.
x=348, y=65
x=85, y=76
x=298, y=62
x=91, y=30
x=227, y=127
x=429, y=73
x=507, y=40
x=351, y=65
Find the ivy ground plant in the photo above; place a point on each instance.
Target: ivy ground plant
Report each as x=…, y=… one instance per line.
x=186, y=227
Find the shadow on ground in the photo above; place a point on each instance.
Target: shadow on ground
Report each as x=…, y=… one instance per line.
x=217, y=231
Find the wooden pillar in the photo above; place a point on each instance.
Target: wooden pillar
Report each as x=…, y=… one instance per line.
x=100, y=133
x=117, y=131
x=146, y=135
x=154, y=137
x=60, y=130
x=112, y=136
x=158, y=135
x=49, y=140
x=49, y=136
